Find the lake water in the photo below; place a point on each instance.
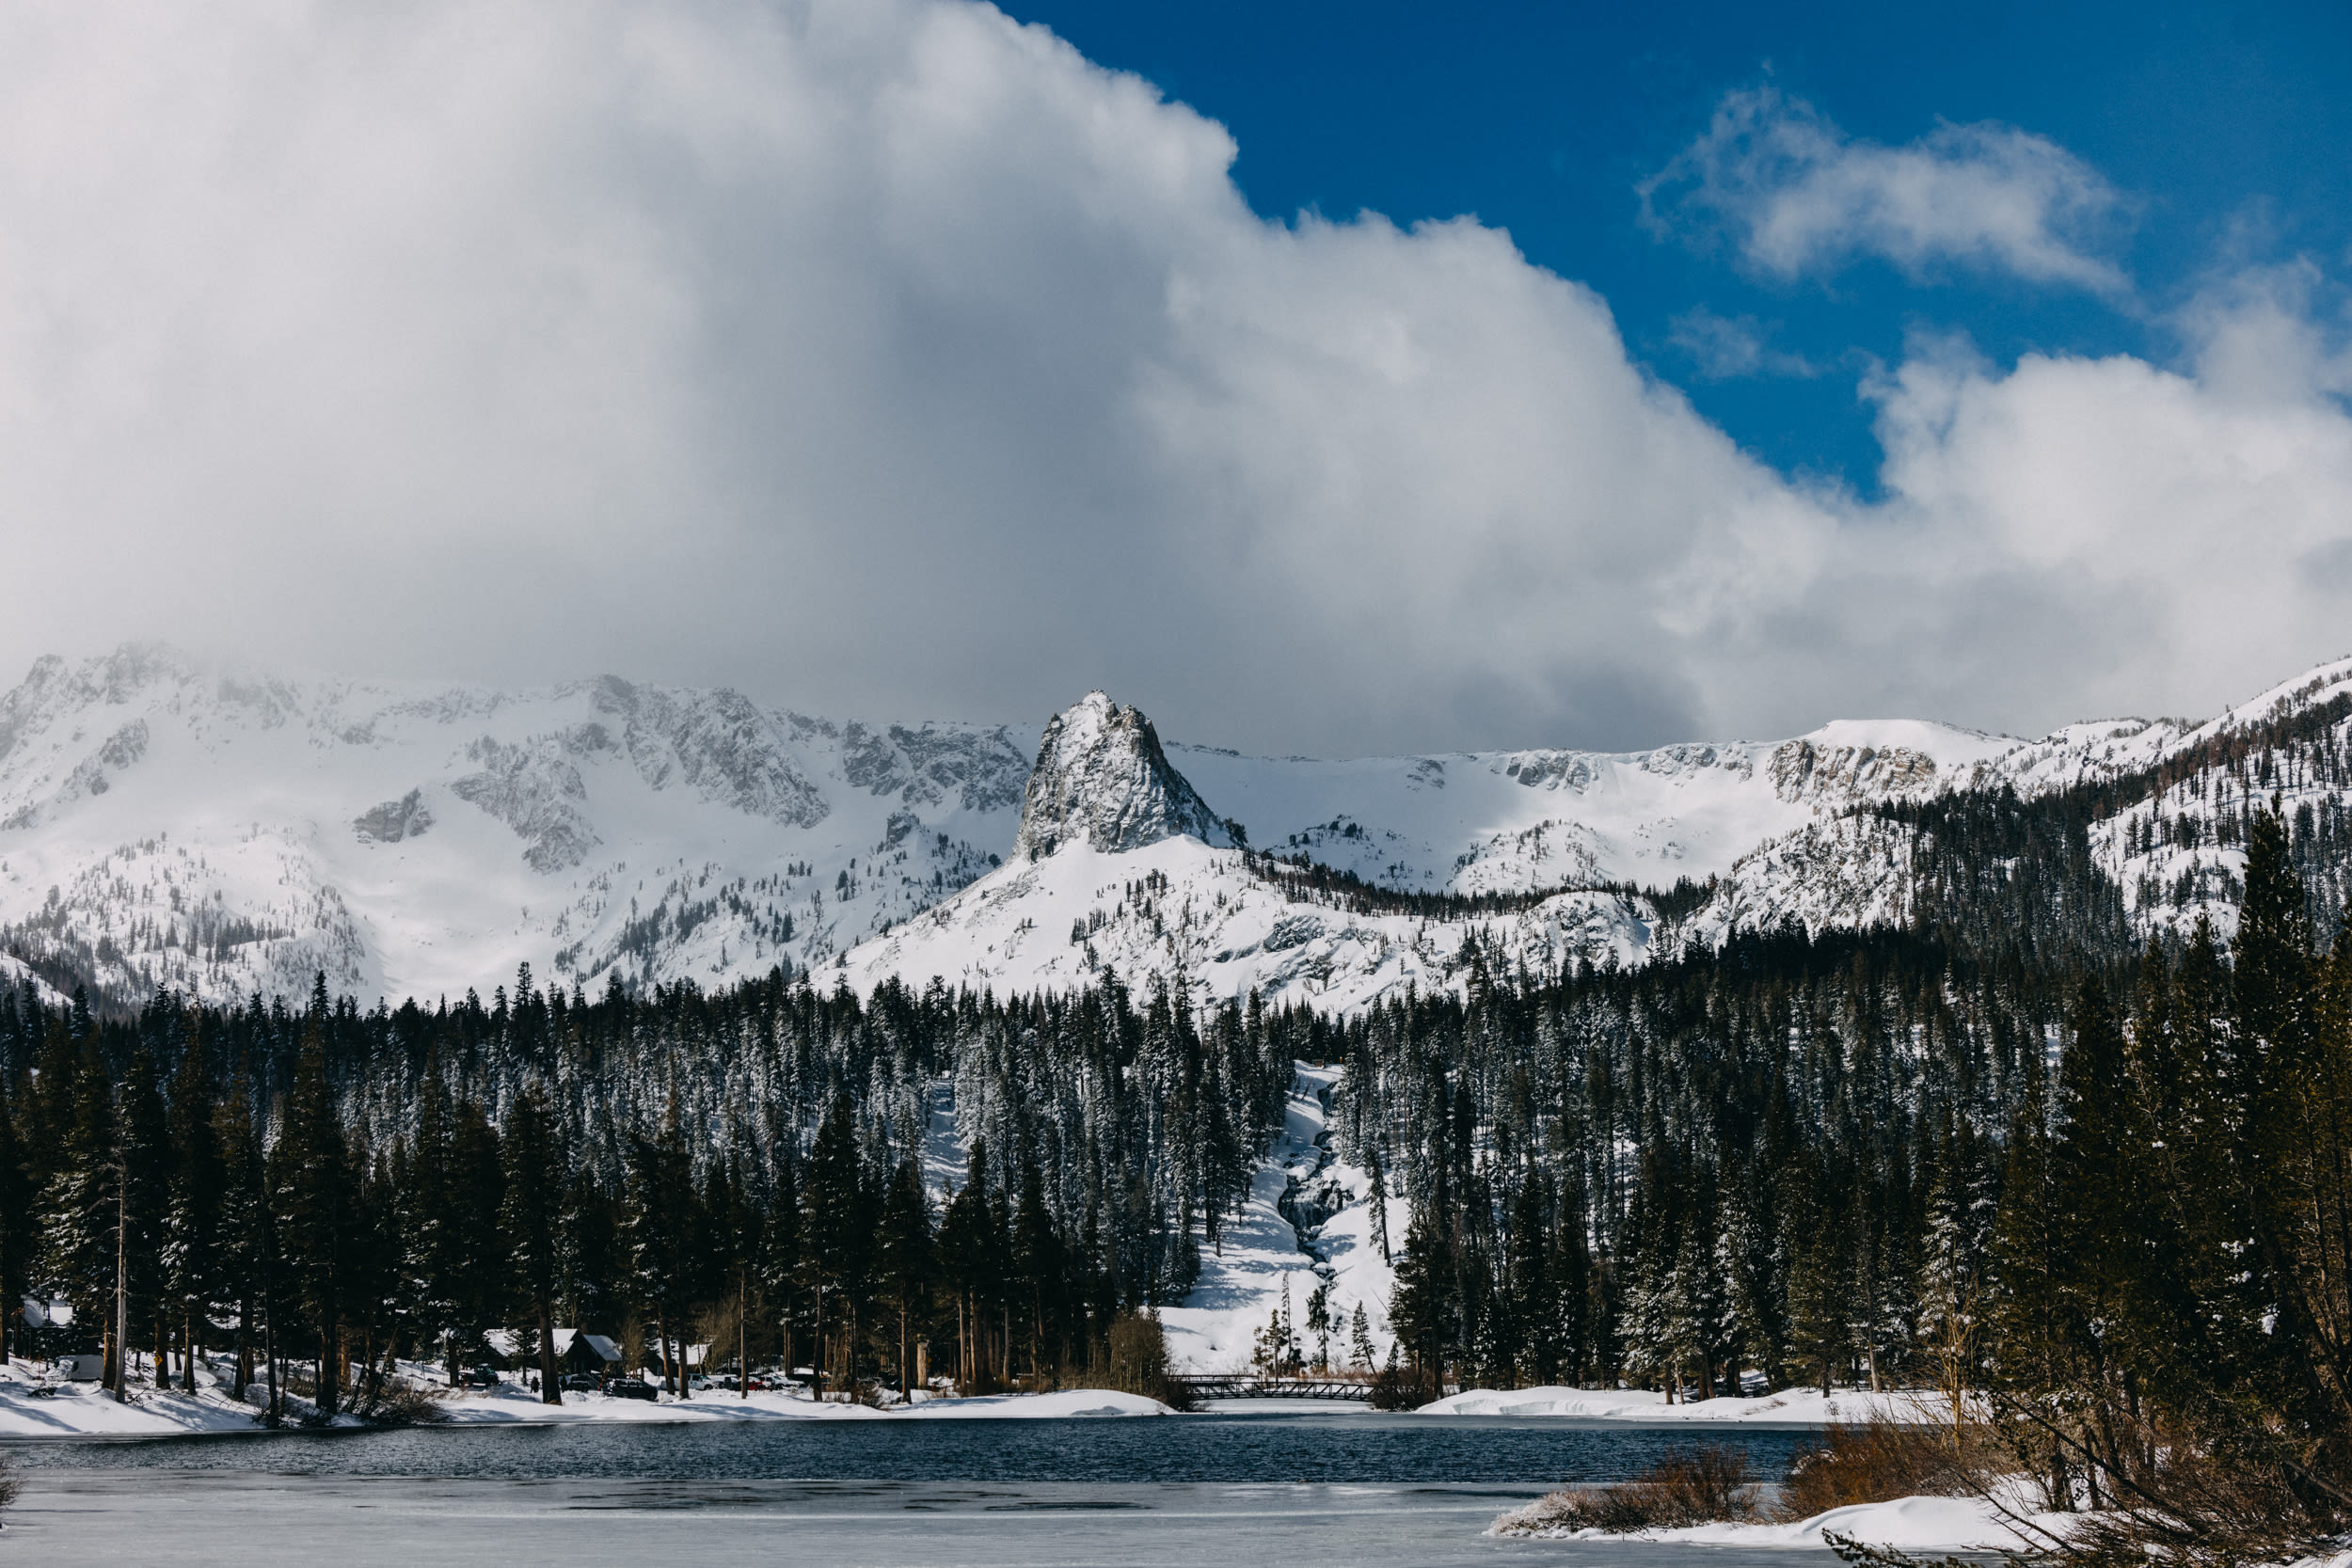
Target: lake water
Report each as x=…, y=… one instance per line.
x=1310, y=1446
x=1242, y=1489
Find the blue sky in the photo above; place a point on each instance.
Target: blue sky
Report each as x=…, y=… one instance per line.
x=2222, y=128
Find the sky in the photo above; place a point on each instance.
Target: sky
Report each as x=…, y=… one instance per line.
x=1321, y=378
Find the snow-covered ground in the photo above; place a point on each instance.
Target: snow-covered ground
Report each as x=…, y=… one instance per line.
x=1788, y=1407
x=1907, y=1524
x=510, y=1404
x=83, y=1410
x=1205, y=917
x=1241, y=1286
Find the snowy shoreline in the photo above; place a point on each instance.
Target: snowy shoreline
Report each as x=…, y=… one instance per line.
x=1905, y=1524
x=83, y=1412
x=1797, y=1407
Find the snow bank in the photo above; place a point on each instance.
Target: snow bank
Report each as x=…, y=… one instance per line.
x=1789, y=1407
x=1907, y=1524
x=510, y=1404
x=83, y=1410
x=1054, y=1407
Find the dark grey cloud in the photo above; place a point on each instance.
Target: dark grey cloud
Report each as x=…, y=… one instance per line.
x=889, y=359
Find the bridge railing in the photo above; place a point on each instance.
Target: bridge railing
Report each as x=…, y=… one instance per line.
x=1245, y=1385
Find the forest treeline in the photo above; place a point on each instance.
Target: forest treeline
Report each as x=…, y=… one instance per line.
x=2109, y=1193
x=347, y=1188
x=2111, y=1208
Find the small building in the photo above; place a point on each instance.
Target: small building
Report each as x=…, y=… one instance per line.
x=516, y=1349
x=587, y=1352
x=88, y=1368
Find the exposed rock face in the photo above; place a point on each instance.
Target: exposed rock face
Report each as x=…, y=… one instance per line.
x=1102, y=780
x=394, y=821
x=1800, y=767
x=535, y=790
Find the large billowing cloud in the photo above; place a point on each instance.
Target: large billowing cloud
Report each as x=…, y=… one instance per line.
x=887, y=357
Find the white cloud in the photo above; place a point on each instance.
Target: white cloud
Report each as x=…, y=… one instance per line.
x=1728, y=348
x=1798, y=194
x=886, y=357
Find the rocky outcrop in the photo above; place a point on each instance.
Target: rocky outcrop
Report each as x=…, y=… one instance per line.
x=535, y=790
x=1102, y=780
x=394, y=821
x=1800, y=769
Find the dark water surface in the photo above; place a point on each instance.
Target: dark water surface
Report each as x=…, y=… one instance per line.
x=1311, y=1446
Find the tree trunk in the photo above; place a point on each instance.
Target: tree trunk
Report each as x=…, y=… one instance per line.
x=669, y=1363
x=550, y=1386
x=743, y=1334
x=326, y=1390
x=188, y=1336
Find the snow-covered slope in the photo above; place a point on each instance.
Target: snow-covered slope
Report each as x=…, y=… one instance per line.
x=1185, y=912
x=1511, y=821
x=165, y=824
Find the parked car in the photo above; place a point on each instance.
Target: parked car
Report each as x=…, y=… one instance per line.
x=481, y=1377
x=631, y=1389
x=581, y=1383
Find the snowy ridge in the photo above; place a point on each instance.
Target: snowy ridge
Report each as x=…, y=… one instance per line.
x=1200, y=920
x=1778, y=832
x=164, y=824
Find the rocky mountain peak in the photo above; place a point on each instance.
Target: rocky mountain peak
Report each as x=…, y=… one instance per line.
x=1102, y=780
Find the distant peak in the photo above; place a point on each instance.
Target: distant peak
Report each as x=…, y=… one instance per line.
x=1102, y=778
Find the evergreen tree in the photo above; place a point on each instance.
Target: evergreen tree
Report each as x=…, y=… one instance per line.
x=904, y=1261
x=83, y=1205
x=535, y=1173
x=837, y=1237
x=661, y=1225
x=311, y=1187
x=1037, y=1264
x=145, y=1145
x=1424, y=1309
x=1534, y=1283
x=193, y=1252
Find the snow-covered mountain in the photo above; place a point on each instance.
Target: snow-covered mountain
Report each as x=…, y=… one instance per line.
x=162, y=823
x=1773, y=831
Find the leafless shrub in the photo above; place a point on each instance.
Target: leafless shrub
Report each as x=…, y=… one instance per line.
x=1878, y=1461
x=1695, y=1485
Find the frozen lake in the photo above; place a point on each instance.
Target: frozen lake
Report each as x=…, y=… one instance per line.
x=1284, y=1489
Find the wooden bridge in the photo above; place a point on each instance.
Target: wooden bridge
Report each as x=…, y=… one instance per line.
x=1247, y=1385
